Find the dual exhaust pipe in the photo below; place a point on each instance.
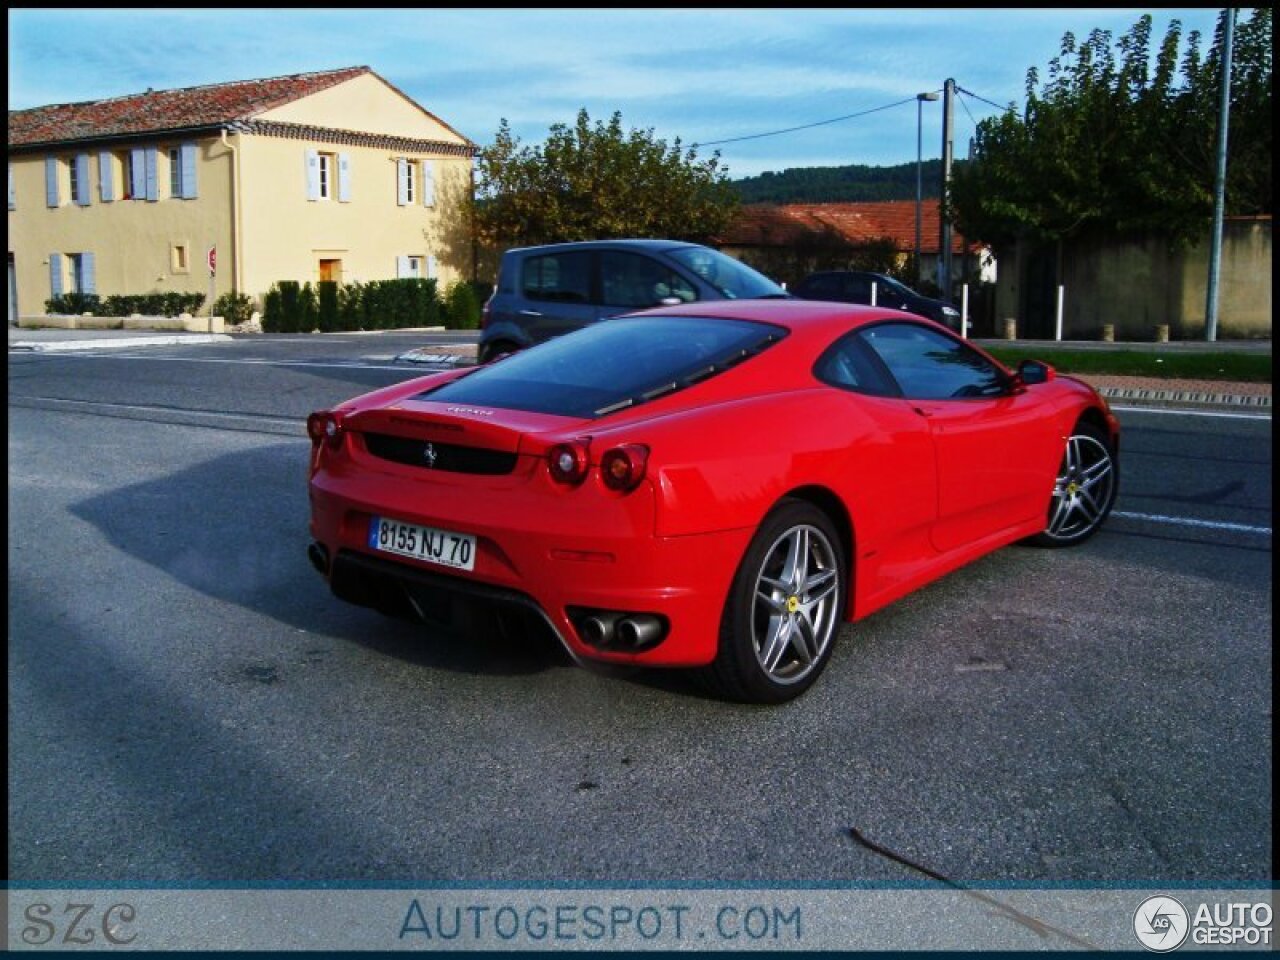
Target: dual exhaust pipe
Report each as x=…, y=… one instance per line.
x=624, y=631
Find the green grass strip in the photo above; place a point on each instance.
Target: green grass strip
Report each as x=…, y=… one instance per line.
x=1239, y=367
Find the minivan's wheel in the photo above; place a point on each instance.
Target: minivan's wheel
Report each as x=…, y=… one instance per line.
x=1084, y=491
x=498, y=348
x=784, y=608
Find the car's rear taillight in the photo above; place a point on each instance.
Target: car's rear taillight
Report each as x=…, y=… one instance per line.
x=622, y=468
x=567, y=462
x=325, y=426
x=487, y=310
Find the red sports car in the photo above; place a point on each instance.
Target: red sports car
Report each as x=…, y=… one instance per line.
x=714, y=486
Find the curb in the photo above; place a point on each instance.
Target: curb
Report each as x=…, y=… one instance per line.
x=122, y=343
x=1185, y=396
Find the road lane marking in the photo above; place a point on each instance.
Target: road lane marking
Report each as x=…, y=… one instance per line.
x=1190, y=522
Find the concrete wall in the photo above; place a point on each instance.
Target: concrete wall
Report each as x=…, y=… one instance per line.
x=1137, y=285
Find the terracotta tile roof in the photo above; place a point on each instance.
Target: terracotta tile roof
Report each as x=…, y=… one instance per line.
x=212, y=105
x=769, y=225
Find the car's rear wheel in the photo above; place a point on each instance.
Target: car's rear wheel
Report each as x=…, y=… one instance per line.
x=1084, y=491
x=784, y=608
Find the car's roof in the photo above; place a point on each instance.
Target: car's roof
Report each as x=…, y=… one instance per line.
x=625, y=244
x=821, y=318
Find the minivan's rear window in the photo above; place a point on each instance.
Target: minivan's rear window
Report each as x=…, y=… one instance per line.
x=611, y=365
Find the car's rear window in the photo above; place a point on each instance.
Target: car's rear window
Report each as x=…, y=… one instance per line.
x=611, y=365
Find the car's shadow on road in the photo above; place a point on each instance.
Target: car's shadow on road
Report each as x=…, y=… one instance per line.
x=235, y=528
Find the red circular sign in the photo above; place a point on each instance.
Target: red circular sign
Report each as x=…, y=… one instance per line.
x=213, y=259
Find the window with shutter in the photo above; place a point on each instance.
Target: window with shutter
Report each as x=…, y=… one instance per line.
x=106, y=186
x=428, y=183
x=51, y=181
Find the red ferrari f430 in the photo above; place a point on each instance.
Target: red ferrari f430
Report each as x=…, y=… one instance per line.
x=715, y=486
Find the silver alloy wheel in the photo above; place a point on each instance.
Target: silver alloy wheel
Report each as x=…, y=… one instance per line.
x=796, y=603
x=1084, y=488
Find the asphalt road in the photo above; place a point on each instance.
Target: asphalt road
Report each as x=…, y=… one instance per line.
x=187, y=703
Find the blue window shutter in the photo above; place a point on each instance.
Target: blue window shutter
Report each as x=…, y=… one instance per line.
x=106, y=189
x=51, y=182
x=428, y=183
x=82, y=180
x=55, y=274
x=402, y=170
x=88, y=274
x=344, y=178
x=312, y=158
x=149, y=156
x=189, y=171
x=137, y=174
x=13, y=197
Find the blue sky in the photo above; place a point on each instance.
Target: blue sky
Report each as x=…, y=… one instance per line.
x=697, y=74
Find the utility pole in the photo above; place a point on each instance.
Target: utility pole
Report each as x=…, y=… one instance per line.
x=1219, y=185
x=948, y=136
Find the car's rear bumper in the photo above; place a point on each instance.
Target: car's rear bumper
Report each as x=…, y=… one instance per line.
x=546, y=549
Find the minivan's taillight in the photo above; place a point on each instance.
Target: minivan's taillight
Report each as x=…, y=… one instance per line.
x=567, y=462
x=325, y=426
x=622, y=468
x=487, y=310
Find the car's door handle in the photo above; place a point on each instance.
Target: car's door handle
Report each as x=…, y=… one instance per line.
x=530, y=313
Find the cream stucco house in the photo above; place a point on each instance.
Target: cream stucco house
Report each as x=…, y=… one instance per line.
x=335, y=175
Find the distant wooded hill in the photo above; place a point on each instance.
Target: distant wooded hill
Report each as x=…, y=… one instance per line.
x=849, y=184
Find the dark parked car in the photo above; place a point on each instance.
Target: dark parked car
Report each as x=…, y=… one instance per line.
x=545, y=291
x=854, y=286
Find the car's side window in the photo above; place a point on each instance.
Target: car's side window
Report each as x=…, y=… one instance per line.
x=857, y=290
x=562, y=277
x=632, y=280
x=930, y=366
x=850, y=364
x=824, y=286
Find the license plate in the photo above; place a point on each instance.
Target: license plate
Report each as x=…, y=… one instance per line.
x=443, y=547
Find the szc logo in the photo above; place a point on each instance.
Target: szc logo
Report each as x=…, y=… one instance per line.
x=1161, y=924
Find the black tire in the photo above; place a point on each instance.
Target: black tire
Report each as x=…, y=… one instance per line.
x=795, y=625
x=1084, y=491
x=498, y=348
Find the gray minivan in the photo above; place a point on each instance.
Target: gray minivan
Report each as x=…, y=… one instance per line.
x=548, y=290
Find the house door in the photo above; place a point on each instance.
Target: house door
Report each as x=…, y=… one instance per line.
x=331, y=270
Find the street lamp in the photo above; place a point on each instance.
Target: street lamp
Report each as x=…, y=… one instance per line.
x=920, y=99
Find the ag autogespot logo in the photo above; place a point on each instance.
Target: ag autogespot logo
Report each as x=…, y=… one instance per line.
x=1161, y=923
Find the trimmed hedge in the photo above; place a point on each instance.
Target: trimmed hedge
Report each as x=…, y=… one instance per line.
x=157, y=304
x=376, y=305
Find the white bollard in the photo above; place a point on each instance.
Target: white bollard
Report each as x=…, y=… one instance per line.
x=873, y=293
x=1058, y=327
x=964, y=311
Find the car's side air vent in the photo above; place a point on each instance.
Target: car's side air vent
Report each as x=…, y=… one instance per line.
x=430, y=455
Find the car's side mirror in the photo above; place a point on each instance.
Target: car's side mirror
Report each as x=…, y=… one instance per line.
x=1031, y=372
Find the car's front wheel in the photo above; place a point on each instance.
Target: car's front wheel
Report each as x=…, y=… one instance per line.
x=784, y=608
x=496, y=350
x=1084, y=491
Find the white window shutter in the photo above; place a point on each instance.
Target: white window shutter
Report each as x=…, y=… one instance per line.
x=88, y=274
x=55, y=274
x=106, y=188
x=189, y=171
x=82, y=180
x=428, y=183
x=149, y=163
x=402, y=191
x=403, y=268
x=431, y=266
x=13, y=197
x=312, y=160
x=344, y=178
x=51, y=183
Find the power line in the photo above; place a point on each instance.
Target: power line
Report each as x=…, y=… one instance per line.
x=806, y=126
x=970, y=93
